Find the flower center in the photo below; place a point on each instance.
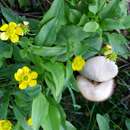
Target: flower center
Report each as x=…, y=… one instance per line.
x=25, y=78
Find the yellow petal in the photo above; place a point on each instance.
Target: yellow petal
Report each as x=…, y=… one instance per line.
x=12, y=25
x=33, y=83
x=26, y=70
x=14, y=38
x=4, y=27
x=23, y=85
x=4, y=36
x=17, y=77
x=33, y=75
x=29, y=121
x=19, y=31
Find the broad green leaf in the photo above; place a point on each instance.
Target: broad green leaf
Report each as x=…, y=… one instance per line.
x=109, y=8
x=48, y=51
x=40, y=108
x=127, y=123
x=71, y=33
x=91, y=46
x=84, y=19
x=24, y=101
x=33, y=92
x=123, y=7
x=53, y=120
x=91, y=27
x=97, y=6
x=51, y=23
x=111, y=24
x=74, y=16
x=56, y=81
x=10, y=15
x=119, y=44
x=102, y=122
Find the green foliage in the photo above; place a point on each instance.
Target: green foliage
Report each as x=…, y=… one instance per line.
x=69, y=28
x=56, y=72
x=51, y=23
x=40, y=108
x=103, y=122
x=119, y=44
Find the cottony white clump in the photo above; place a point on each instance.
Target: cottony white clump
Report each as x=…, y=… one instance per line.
x=100, y=69
x=93, y=91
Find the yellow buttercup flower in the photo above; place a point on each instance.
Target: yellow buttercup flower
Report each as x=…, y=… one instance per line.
x=26, y=77
x=11, y=31
x=78, y=63
x=29, y=121
x=5, y=125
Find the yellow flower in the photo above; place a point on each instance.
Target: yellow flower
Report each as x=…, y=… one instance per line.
x=5, y=125
x=78, y=63
x=29, y=121
x=11, y=31
x=26, y=77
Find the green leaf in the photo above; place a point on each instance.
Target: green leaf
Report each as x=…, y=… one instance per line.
x=23, y=101
x=97, y=6
x=91, y=46
x=10, y=15
x=4, y=105
x=53, y=120
x=51, y=23
x=111, y=24
x=91, y=27
x=74, y=16
x=40, y=108
x=33, y=92
x=48, y=51
x=127, y=123
x=6, y=50
x=123, y=7
x=55, y=81
x=109, y=9
x=103, y=122
x=70, y=126
x=119, y=44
